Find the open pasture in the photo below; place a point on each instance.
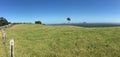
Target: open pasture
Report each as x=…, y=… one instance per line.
x=62, y=41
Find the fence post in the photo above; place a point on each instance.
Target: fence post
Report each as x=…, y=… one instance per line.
x=11, y=48
x=4, y=37
x=2, y=31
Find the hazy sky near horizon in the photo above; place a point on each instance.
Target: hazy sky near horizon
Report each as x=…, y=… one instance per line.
x=56, y=11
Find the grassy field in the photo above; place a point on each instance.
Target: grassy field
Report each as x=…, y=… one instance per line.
x=62, y=41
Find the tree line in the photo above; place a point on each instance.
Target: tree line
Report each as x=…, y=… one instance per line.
x=3, y=21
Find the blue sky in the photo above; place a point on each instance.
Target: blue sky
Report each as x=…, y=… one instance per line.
x=56, y=11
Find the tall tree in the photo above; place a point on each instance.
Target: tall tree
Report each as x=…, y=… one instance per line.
x=68, y=19
x=38, y=22
x=3, y=21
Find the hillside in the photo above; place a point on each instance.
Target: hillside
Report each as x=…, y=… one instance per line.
x=62, y=41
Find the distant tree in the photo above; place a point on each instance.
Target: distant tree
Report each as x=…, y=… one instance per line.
x=68, y=19
x=3, y=21
x=84, y=22
x=38, y=22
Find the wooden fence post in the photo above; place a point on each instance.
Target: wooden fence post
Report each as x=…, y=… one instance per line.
x=2, y=31
x=11, y=48
x=4, y=36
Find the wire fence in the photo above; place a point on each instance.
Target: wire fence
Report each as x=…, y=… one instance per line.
x=6, y=46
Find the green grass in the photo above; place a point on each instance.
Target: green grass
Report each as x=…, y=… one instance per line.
x=62, y=41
